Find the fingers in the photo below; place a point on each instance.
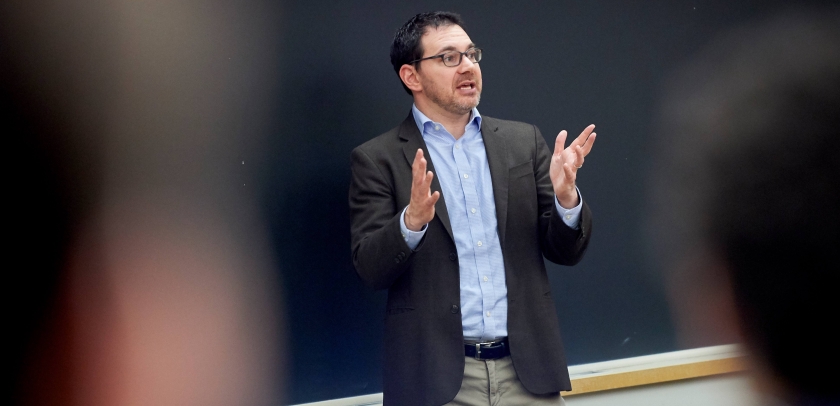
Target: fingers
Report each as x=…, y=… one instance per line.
x=587, y=146
x=427, y=184
x=421, y=178
x=585, y=141
x=418, y=168
x=421, y=208
x=559, y=143
x=581, y=139
x=579, y=155
x=434, y=198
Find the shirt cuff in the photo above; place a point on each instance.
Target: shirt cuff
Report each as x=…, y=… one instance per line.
x=412, y=238
x=570, y=216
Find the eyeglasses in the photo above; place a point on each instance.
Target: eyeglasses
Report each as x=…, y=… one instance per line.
x=453, y=58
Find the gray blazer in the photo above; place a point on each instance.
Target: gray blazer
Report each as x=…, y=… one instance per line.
x=424, y=351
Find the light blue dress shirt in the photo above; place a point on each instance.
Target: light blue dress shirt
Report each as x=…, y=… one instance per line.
x=464, y=175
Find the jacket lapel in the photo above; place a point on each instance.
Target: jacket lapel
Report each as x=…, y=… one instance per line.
x=495, y=145
x=413, y=140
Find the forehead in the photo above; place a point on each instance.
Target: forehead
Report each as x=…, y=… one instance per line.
x=444, y=38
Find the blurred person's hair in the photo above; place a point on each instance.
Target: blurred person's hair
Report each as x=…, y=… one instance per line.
x=746, y=189
x=407, y=46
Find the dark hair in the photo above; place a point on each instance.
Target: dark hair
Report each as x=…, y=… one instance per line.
x=748, y=174
x=407, y=47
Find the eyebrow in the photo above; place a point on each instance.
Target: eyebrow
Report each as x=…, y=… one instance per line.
x=452, y=48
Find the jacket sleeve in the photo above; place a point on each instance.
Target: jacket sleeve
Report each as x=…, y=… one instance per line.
x=560, y=243
x=380, y=253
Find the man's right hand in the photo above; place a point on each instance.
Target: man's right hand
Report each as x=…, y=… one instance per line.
x=421, y=208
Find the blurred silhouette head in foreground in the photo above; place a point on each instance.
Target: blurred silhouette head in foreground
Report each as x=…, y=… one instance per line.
x=139, y=269
x=746, y=191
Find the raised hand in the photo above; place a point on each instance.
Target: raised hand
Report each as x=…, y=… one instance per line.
x=421, y=208
x=565, y=164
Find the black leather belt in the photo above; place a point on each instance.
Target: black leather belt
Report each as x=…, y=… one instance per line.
x=487, y=350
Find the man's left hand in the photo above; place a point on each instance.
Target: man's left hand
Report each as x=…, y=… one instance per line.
x=565, y=164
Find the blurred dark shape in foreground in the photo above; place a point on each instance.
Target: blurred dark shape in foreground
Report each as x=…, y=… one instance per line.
x=138, y=271
x=746, y=192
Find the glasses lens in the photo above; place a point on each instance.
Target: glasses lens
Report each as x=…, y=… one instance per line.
x=474, y=54
x=451, y=58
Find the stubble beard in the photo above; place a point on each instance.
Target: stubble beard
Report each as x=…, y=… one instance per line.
x=450, y=103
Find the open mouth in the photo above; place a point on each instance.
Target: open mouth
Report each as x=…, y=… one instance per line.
x=467, y=86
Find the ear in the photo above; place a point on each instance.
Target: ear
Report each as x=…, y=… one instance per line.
x=409, y=76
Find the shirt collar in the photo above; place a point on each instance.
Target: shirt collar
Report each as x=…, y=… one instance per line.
x=421, y=120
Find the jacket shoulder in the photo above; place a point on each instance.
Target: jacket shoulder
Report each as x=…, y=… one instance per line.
x=508, y=126
x=383, y=143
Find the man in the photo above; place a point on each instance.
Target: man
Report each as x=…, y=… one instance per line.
x=747, y=196
x=452, y=212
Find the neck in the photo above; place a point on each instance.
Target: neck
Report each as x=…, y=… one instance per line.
x=454, y=123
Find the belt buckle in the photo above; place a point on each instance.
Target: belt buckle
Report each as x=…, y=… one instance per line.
x=478, y=349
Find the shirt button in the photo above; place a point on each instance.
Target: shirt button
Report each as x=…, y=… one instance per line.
x=437, y=127
x=568, y=216
x=472, y=210
x=479, y=243
x=466, y=176
x=485, y=279
x=488, y=314
x=457, y=146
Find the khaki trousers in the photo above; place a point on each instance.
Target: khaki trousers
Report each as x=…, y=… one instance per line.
x=495, y=383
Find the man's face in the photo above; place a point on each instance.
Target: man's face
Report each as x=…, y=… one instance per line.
x=456, y=89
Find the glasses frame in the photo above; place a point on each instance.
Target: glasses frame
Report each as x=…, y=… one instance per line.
x=460, y=57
